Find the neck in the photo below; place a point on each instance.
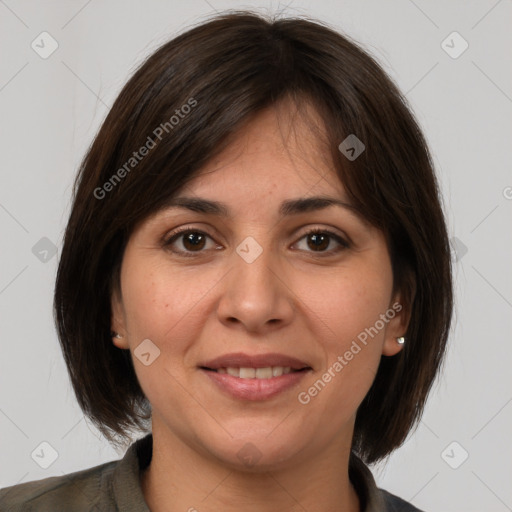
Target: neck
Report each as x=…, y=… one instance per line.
x=179, y=477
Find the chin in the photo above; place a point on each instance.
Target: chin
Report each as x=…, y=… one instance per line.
x=257, y=452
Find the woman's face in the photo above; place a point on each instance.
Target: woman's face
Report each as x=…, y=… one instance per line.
x=252, y=283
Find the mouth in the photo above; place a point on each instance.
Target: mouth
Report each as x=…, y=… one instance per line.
x=267, y=372
x=254, y=377
x=256, y=366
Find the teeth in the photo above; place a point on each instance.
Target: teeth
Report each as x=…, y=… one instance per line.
x=256, y=373
x=262, y=373
x=277, y=371
x=247, y=373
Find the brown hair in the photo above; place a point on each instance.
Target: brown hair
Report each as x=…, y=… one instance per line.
x=226, y=70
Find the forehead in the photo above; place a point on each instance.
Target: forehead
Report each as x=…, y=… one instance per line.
x=281, y=152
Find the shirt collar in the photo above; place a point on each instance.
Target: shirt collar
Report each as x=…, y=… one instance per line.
x=126, y=479
x=130, y=498
x=370, y=496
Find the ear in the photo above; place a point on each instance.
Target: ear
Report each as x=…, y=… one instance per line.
x=117, y=320
x=401, y=307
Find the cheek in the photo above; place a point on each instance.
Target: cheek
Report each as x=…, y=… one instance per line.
x=346, y=319
x=346, y=303
x=159, y=301
x=164, y=306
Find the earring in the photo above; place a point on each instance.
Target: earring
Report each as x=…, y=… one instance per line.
x=115, y=334
x=400, y=340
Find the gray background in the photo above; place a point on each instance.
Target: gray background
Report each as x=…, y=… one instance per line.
x=51, y=108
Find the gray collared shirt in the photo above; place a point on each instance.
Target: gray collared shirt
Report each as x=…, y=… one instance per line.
x=115, y=486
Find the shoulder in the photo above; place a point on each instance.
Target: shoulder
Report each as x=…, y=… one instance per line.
x=396, y=504
x=74, y=492
x=373, y=498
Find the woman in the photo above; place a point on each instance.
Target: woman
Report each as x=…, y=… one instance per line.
x=255, y=274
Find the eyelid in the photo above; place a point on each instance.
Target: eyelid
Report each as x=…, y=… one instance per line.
x=342, y=239
x=169, y=235
x=332, y=232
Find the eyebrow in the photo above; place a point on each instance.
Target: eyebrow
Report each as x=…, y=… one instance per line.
x=287, y=208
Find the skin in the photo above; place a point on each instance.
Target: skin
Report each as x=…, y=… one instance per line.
x=291, y=300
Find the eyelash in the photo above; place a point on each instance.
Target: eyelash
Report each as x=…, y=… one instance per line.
x=312, y=231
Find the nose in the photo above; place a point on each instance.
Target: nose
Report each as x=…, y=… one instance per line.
x=255, y=293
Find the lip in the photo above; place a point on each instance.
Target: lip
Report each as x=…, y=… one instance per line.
x=242, y=360
x=254, y=389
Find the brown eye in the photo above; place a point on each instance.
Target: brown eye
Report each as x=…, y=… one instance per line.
x=191, y=241
x=318, y=240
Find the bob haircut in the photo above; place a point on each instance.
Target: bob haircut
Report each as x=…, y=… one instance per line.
x=183, y=104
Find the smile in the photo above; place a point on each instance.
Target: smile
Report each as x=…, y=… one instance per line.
x=245, y=383
x=256, y=373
